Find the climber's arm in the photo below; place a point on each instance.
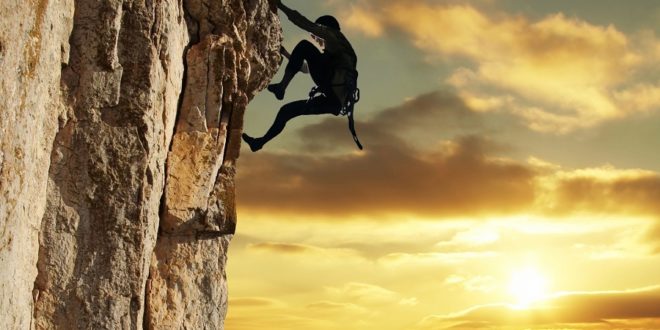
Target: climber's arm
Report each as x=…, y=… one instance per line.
x=303, y=23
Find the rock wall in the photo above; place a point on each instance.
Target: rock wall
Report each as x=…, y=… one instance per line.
x=121, y=126
x=187, y=283
x=33, y=45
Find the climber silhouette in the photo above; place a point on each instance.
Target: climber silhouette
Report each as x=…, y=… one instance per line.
x=333, y=71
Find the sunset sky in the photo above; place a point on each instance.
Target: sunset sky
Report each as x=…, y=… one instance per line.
x=510, y=177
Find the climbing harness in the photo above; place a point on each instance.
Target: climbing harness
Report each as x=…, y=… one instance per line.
x=352, y=97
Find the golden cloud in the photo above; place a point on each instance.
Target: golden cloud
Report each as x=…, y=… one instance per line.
x=433, y=259
x=283, y=247
x=333, y=307
x=601, y=190
x=652, y=236
x=367, y=294
x=611, y=309
x=462, y=176
x=254, y=302
x=479, y=283
x=640, y=97
x=387, y=179
x=303, y=249
x=361, y=20
x=250, y=321
x=559, y=74
x=392, y=176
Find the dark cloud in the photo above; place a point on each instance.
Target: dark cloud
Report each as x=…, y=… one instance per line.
x=576, y=308
x=386, y=178
x=439, y=109
x=392, y=175
x=637, y=194
x=428, y=156
x=424, y=119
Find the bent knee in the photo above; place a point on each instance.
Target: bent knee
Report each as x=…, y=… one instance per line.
x=305, y=44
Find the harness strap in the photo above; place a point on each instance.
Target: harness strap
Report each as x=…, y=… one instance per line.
x=351, y=127
x=312, y=93
x=347, y=108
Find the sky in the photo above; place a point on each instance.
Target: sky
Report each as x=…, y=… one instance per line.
x=510, y=177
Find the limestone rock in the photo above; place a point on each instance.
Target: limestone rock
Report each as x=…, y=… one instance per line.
x=187, y=283
x=33, y=45
x=120, y=127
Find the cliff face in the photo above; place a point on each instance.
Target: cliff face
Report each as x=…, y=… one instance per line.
x=121, y=125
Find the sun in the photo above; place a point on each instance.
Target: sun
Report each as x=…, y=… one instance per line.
x=527, y=286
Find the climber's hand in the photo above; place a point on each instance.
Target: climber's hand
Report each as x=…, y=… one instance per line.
x=273, y=5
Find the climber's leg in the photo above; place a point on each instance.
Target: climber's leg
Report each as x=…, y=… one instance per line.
x=316, y=106
x=304, y=51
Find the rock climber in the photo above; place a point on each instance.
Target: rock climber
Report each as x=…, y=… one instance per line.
x=333, y=70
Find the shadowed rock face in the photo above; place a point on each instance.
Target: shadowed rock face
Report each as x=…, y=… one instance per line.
x=120, y=128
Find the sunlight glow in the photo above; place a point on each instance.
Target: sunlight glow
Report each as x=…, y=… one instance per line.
x=527, y=286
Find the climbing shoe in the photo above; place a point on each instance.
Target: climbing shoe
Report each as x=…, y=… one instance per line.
x=277, y=90
x=255, y=144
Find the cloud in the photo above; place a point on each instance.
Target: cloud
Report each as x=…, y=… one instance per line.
x=479, y=283
x=602, y=309
x=303, y=249
x=652, y=237
x=476, y=236
x=458, y=176
x=423, y=118
x=336, y=307
x=433, y=259
x=364, y=293
x=364, y=22
x=451, y=170
x=254, y=302
x=461, y=179
x=642, y=97
x=602, y=190
x=283, y=248
x=258, y=321
x=558, y=73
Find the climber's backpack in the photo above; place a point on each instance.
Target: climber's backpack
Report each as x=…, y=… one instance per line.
x=352, y=97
